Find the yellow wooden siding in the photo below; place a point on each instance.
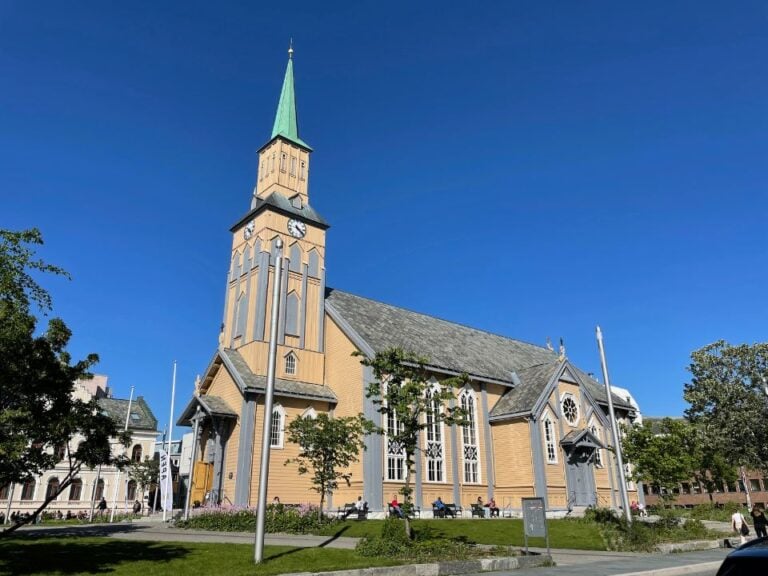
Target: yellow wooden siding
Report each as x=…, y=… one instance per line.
x=514, y=463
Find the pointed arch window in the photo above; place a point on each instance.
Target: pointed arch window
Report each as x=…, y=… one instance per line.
x=246, y=259
x=53, y=487
x=598, y=453
x=235, y=271
x=292, y=314
x=295, y=262
x=435, y=448
x=241, y=310
x=395, y=449
x=549, y=439
x=75, y=490
x=313, y=269
x=290, y=364
x=469, y=438
x=276, y=427
x=28, y=489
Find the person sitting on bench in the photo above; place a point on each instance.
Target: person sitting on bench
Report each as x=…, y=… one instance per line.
x=442, y=509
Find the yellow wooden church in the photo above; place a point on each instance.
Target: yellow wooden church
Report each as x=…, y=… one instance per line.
x=538, y=425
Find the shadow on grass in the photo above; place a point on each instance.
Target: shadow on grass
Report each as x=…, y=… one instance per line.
x=32, y=555
x=334, y=536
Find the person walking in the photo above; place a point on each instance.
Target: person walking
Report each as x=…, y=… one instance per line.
x=740, y=526
x=759, y=521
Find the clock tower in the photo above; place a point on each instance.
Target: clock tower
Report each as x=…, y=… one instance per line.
x=279, y=209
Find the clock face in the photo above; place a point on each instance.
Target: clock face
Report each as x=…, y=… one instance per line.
x=296, y=228
x=248, y=230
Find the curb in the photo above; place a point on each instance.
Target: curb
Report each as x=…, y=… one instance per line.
x=689, y=546
x=676, y=570
x=442, y=568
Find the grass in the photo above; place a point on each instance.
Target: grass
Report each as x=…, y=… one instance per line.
x=94, y=555
x=506, y=532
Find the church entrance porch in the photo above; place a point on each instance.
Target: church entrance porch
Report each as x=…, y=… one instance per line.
x=580, y=447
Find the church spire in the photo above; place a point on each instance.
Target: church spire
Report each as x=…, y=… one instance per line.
x=286, y=123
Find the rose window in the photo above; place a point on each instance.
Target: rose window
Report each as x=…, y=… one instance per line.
x=570, y=411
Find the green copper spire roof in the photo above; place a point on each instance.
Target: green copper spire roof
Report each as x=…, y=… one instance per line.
x=286, y=124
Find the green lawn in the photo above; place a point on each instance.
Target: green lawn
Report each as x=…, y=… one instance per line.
x=89, y=555
x=506, y=532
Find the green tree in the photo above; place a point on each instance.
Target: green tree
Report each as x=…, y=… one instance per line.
x=409, y=402
x=662, y=453
x=38, y=414
x=145, y=473
x=328, y=446
x=728, y=403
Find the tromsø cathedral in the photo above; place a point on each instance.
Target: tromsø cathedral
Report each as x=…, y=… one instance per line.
x=538, y=425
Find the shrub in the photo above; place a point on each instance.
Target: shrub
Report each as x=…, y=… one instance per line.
x=279, y=518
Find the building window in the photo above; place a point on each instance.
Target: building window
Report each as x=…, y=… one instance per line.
x=754, y=485
x=293, y=165
x=313, y=269
x=598, y=453
x=136, y=454
x=549, y=440
x=395, y=449
x=276, y=427
x=296, y=201
x=290, y=364
x=309, y=413
x=99, y=490
x=303, y=170
x=53, y=487
x=28, y=490
x=131, y=491
x=570, y=410
x=434, y=451
x=295, y=262
x=60, y=452
x=4, y=491
x=283, y=160
x=469, y=438
x=75, y=490
x=241, y=309
x=292, y=314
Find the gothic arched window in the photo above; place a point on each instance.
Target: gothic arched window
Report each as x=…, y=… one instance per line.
x=549, y=439
x=276, y=428
x=295, y=263
x=292, y=314
x=313, y=269
x=290, y=363
x=469, y=437
x=434, y=450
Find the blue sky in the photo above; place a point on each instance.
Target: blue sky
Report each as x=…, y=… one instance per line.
x=531, y=169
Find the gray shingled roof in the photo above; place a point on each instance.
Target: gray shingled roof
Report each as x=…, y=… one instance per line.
x=256, y=383
x=522, y=398
x=281, y=203
x=597, y=390
x=141, y=418
x=448, y=346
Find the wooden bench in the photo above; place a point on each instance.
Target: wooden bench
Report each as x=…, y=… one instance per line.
x=414, y=512
x=448, y=510
x=478, y=510
x=350, y=509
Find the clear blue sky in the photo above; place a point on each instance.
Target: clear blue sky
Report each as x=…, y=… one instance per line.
x=528, y=168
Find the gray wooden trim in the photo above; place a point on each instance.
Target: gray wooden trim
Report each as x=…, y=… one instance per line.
x=303, y=311
x=321, y=315
x=218, y=459
x=419, y=479
x=247, y=304
x=373, y=474
x=539, y=470
x=245, y=450
x=226, y=303
x=456, y=456
x=261, y=296
x=490, y=472
x=235, y=313
x=283, y=304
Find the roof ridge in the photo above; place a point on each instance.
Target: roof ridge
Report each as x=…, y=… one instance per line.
x=544, y=348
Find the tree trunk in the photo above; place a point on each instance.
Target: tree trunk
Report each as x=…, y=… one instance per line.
x=63, y=486
x=408, y=504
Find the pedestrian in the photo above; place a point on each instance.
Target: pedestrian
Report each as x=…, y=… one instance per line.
x=759, y=521
x=136, y=507
x=102, y=506
x=740, y=526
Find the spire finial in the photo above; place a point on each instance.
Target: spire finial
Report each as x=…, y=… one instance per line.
x=290, y=50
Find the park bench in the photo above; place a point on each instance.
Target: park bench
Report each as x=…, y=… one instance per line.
x=478, y=510
x=449, y=510
x=350, y=509
x=414, y=512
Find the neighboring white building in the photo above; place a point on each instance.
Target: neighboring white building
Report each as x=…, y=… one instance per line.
x=91, y=485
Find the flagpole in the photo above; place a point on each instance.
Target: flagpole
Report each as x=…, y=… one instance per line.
x=168, y=481
x=614, y=429
x=117, y=478
x=157, y=483
x=266, y=431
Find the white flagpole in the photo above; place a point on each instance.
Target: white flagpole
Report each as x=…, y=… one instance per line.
x=117, y=478
x=266, y=431
x=168, y=481
x=614, y=429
